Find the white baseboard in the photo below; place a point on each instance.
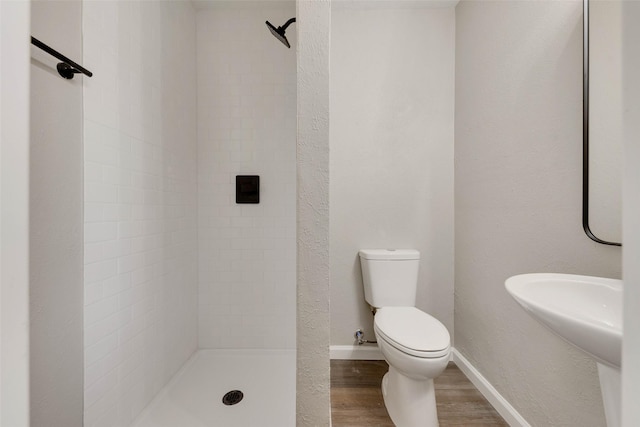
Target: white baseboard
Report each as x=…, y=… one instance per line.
x=355, y=352
x=504, y=408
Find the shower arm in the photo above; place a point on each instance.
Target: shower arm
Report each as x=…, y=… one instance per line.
x=286, y=24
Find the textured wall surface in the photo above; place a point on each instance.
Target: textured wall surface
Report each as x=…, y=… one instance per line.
x=392, y=99
x=518, y=200
x=140, y=203
x=314, y=31
x=631, y=221
x=56, y=244
x=246, y=126
x=14, y=213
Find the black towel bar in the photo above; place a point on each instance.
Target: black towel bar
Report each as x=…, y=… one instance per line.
x=67, y=68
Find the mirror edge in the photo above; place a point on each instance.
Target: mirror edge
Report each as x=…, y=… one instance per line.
x=585, y=131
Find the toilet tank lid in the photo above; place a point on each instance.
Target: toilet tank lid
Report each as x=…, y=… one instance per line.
x=389, y=254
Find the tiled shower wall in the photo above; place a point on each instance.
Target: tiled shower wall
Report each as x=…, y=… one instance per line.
x=246, y=126
x=140, y=202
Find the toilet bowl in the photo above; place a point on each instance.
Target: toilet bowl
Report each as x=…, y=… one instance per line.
x=417, y=347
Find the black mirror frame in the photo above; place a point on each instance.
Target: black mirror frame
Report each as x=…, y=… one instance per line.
x=585, y=133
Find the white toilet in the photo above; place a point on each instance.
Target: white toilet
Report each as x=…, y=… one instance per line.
x=415, y=345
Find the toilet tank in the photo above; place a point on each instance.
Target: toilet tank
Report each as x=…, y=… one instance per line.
x=390, y=276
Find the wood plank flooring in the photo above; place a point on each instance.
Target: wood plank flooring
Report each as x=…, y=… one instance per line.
x=356, y=398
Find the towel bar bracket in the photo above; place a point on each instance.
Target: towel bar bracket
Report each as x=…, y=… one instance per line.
x=66, y=70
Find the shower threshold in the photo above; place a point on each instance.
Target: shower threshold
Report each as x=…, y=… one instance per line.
x=194, y=397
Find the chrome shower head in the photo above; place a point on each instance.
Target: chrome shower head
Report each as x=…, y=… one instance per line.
x=279, y=32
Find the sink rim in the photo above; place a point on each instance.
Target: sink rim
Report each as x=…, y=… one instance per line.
x=513, y=284
x=557, y=320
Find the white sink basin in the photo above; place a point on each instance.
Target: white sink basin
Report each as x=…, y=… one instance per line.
x=585, y=311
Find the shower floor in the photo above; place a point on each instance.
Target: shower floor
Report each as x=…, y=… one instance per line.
x=193, y=398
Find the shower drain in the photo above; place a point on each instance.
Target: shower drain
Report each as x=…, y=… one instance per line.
x=232, y=397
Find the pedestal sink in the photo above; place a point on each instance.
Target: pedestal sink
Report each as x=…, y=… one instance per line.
x=586, y=312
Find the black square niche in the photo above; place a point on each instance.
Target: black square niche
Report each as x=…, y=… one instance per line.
x=247, y=189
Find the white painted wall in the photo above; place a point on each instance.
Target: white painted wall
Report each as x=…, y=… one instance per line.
x=140, y=202
x=313, y=407
x=246, y=126
x=631, y=215
x=56, y=231
x=518, y=200
x=14, y=213
x=392, y=109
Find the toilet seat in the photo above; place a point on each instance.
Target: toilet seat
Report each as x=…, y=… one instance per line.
x=412, y=331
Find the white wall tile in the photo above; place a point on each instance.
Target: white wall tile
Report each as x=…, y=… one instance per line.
x=246, y=126
x=140, y=203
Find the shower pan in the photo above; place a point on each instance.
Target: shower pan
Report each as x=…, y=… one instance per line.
x=195, y=396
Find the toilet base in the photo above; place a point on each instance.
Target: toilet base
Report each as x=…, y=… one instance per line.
x=409, y=402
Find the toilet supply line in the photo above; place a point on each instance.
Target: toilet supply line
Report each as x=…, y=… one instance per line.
x=359, y=336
